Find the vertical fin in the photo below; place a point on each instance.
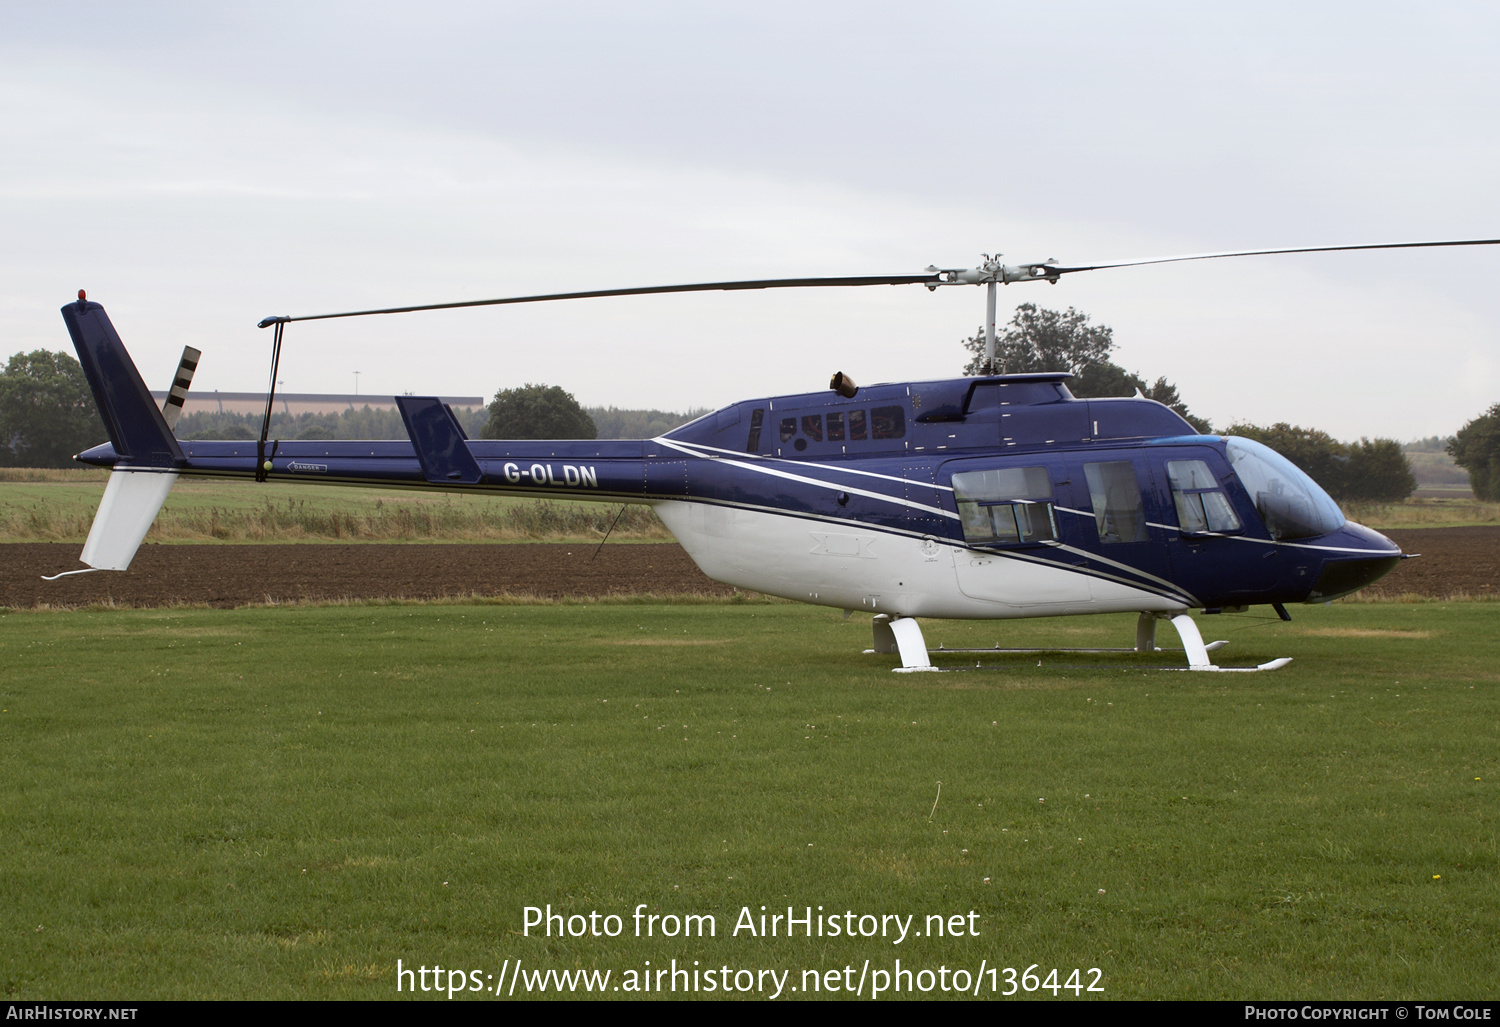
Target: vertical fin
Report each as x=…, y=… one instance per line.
x=136, y=427
x=142, y=438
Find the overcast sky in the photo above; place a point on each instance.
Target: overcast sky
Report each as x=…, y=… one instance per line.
x=198, y=166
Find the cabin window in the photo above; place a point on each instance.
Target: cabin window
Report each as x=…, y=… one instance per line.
x=1005, y=505
x=835, y=427
x=1201, y=504
x=788, y=428
x=753, y=445
x=856, y=425
x=812, y=426
x=889, y=422
x=1116, y=496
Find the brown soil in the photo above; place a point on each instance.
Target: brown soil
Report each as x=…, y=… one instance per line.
x=1454, y=561
x=231, y=575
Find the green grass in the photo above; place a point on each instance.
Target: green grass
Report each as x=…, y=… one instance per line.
x=283, y=802
x=58, y=506
x=1432, y=511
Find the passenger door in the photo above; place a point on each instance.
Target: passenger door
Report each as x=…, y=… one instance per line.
x=1016, y=554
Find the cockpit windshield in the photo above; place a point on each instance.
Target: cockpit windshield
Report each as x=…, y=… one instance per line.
x=1291, y=503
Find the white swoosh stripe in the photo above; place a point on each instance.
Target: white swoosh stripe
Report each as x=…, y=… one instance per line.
x=832, y=486
x=805, y=463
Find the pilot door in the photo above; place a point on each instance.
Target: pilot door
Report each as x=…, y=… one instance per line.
x=1218, y=552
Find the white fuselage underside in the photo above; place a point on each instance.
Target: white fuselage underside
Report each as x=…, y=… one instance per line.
x=851, y=567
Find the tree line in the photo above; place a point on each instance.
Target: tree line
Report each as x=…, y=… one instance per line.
x=47, y=413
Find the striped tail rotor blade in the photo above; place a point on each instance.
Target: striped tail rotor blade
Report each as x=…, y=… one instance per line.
x=171, y=408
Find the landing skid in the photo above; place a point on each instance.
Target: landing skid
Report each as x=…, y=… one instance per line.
x=902, y=635
x=1212, y=647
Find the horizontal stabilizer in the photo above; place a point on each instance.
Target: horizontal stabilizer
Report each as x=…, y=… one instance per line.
x=439, y=440
x=136, y=427
x=130, y=504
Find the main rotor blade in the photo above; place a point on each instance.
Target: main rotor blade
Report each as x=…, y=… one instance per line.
x=763, y=283
x=1063, y=269
x=992, y=272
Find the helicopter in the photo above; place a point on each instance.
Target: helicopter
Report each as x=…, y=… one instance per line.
x=998, y=496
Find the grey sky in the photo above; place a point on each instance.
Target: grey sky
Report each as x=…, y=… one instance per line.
x=197, y=167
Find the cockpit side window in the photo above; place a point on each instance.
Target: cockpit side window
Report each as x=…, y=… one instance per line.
x=1201, y=504
x=1116, y=496
x=1005, y=505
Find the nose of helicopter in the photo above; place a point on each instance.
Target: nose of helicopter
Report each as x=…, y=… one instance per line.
x=1355, y=556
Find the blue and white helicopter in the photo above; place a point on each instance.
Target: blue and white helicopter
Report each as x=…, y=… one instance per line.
x=992, y=497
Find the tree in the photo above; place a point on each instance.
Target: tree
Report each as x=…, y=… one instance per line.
x=1379, y=472
x=235, y=430
x=1476, y=448
x=1037, y=339
x=1369, y=471
x=537, y=412
x=615, y=423
x=47, y=412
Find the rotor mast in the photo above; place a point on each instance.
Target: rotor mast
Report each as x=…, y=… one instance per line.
x=990, y=274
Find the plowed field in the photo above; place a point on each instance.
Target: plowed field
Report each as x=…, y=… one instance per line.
x=1454, y=562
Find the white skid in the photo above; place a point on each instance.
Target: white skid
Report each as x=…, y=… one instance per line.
x=1210, y=646
x=901, y=633
x=130, y=504
x=1273, y=665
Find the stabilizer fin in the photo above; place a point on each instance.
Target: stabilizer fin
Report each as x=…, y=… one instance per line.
x=131, y=501
x=136, y=427
x=439, y=440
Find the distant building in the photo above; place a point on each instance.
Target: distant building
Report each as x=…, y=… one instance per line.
x=294, y=403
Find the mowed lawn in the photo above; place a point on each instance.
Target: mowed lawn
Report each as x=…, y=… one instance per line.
x=284, y=802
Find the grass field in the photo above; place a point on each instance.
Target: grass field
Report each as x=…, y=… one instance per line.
x=59, y=505
x=284, y=802
x=1426, y=511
